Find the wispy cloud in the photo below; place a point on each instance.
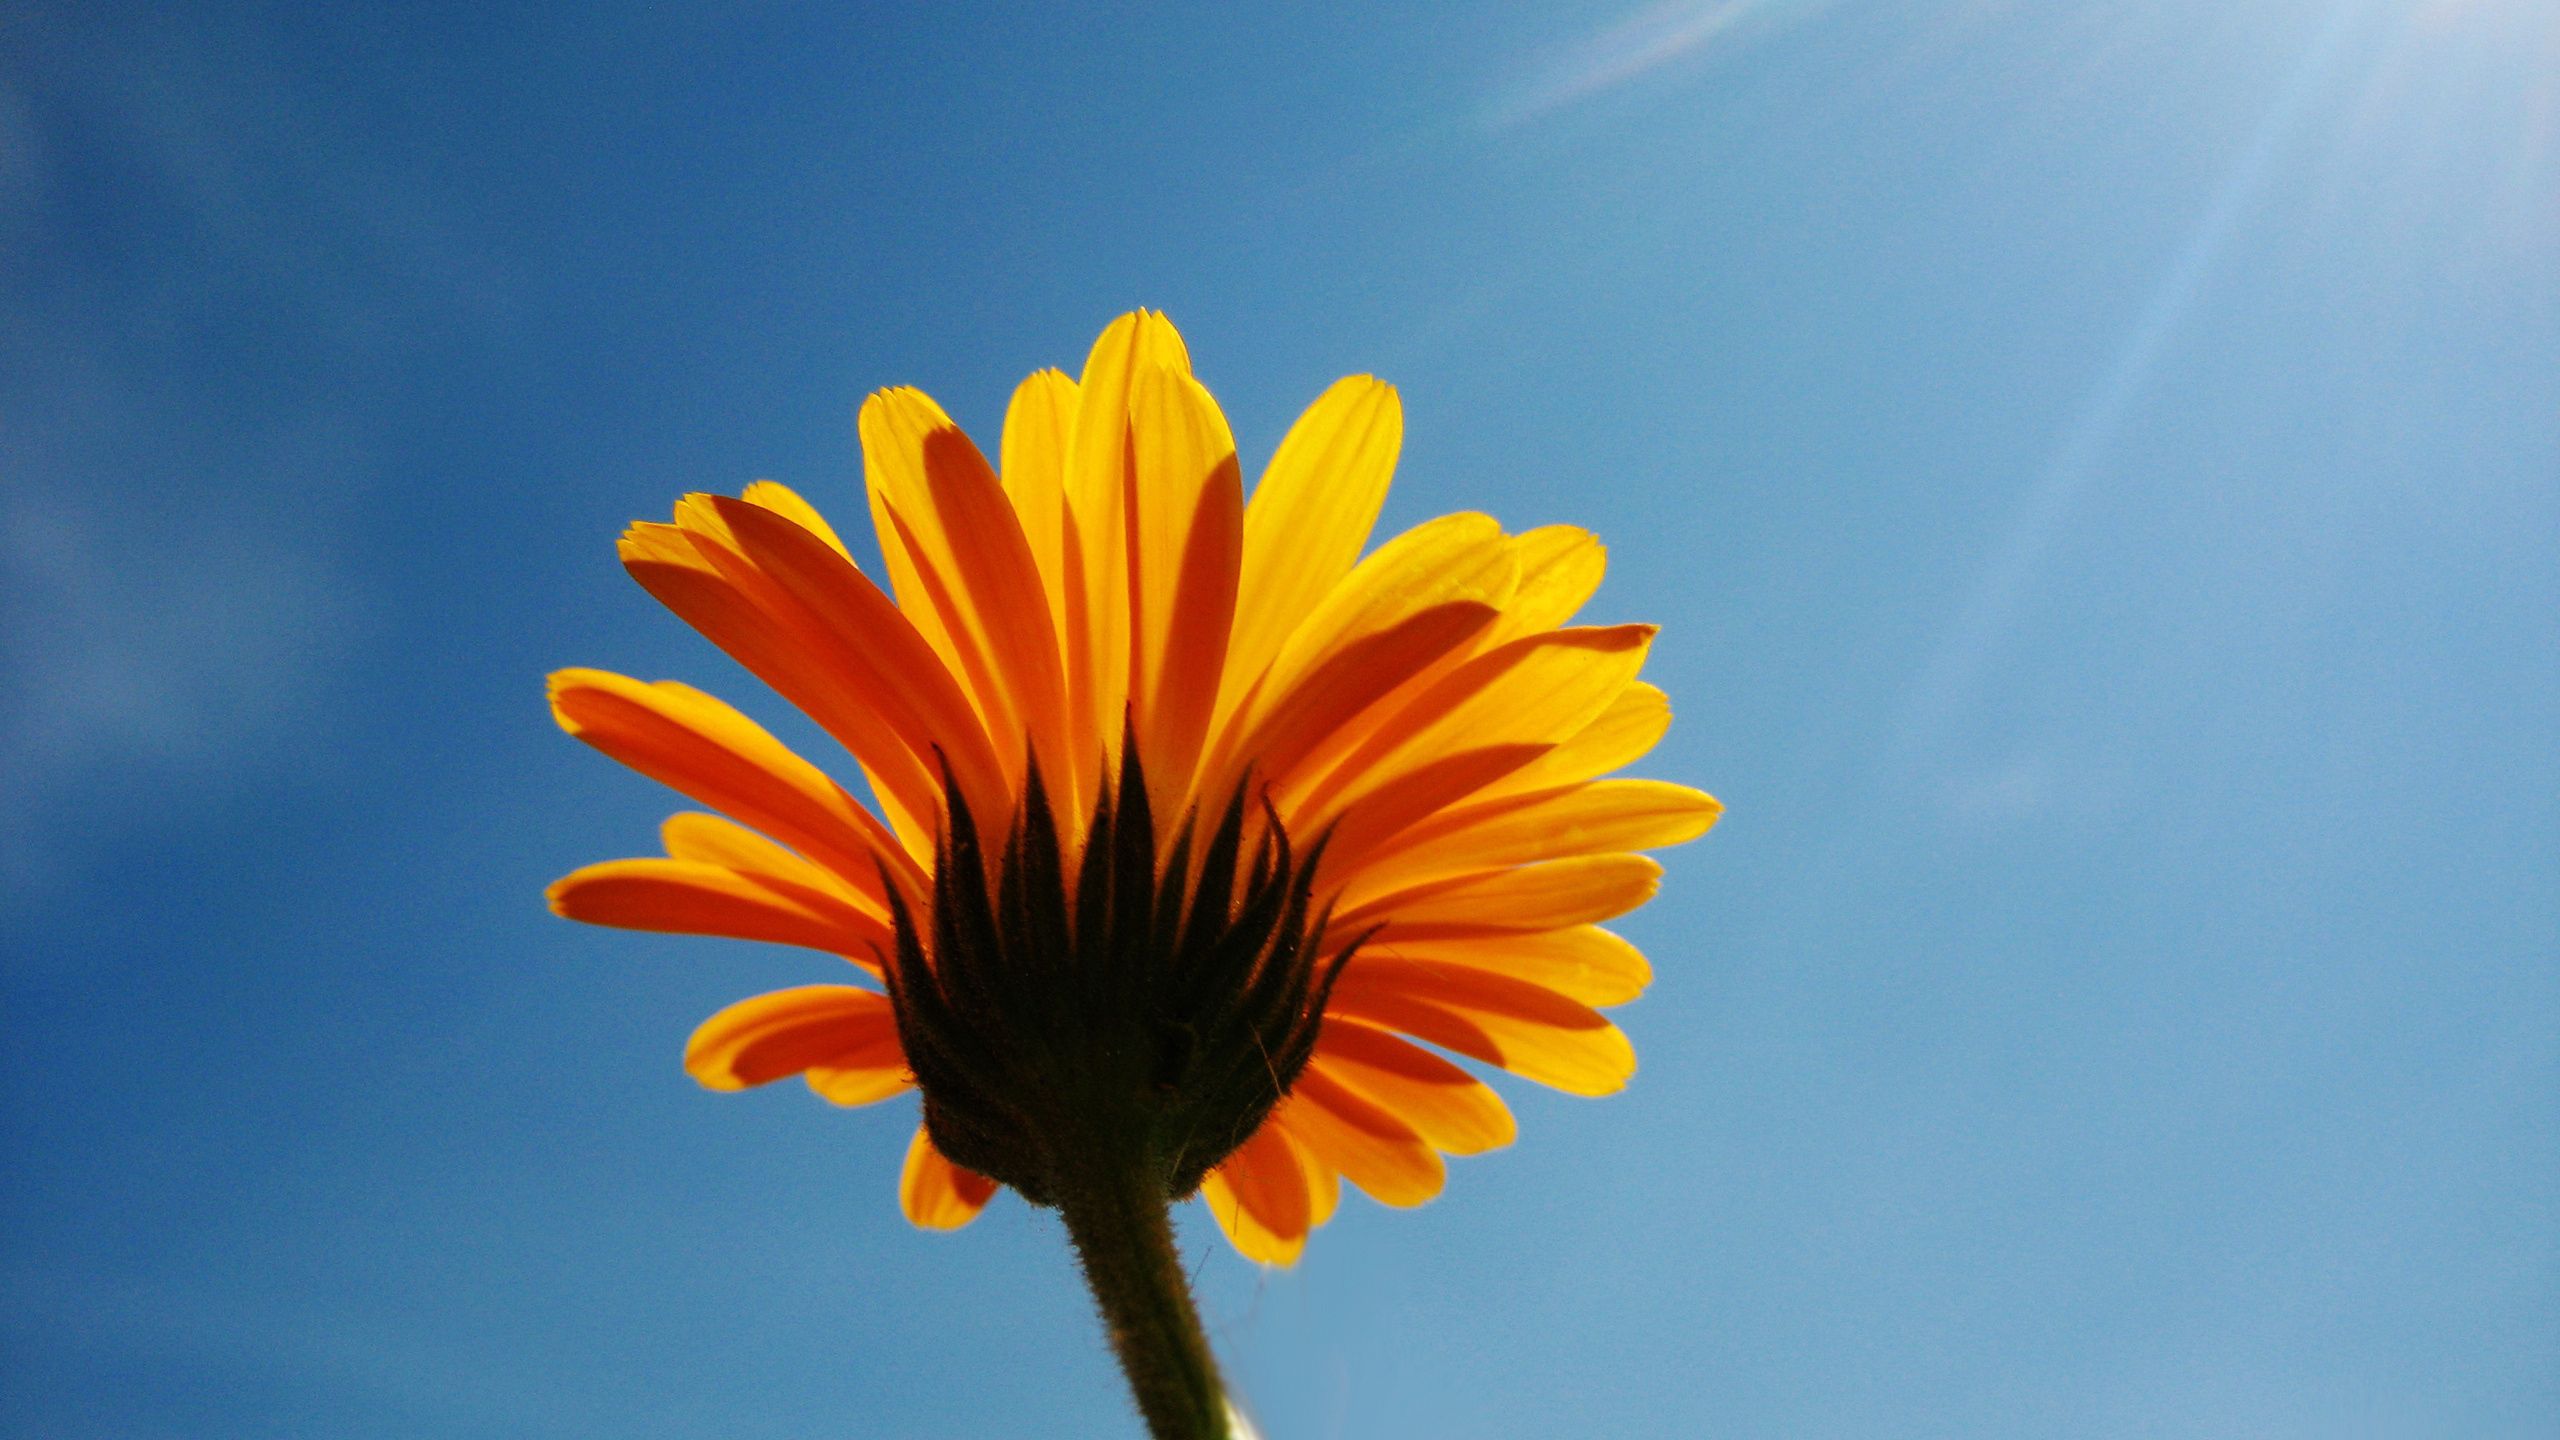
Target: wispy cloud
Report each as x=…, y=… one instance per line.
x=174, y=591
x=325, y=1350
x=1639, y=45
x=216, y=141
x=153, y=643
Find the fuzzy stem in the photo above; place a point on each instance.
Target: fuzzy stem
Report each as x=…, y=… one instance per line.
x=1124, y=1235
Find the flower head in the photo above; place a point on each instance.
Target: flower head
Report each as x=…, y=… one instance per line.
x=1191, y=819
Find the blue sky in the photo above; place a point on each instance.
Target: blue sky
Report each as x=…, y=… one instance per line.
x=2097, y=468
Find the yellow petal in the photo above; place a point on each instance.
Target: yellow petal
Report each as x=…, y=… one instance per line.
x=761, y=1040
x=892, y=425
x=1537, y=690
x=936, y=1194
x=1540, y=689
x=1185, y=507
x=1450, y=569
x=1456, y=1112
x=782, y=500
x=1323, y=1181
x=1526, y=1029
x=1560, y=566
x=1549, y=895
x=1034, y=460
x=1579, y=962
x=1622, y=734
x=1603, y=816
x=1557, y=567
x=1311, y=515
x=1096, y=481
x=855, y=1086
x=692, y=835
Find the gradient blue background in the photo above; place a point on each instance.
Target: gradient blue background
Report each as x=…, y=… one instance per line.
x=2097, y=467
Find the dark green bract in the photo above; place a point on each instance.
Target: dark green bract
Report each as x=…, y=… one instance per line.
x=1127, y=1009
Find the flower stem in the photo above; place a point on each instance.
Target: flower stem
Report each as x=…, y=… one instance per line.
x=1124, y=1235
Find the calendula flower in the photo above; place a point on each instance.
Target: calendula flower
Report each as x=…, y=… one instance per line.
x=1196, y=829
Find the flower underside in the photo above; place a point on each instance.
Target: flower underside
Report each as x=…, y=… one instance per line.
x=1189, y=827
x=1102, y=997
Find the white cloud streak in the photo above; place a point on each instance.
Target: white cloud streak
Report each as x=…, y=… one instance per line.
x=174, y=585
x=1637, y=46
x=1954, y=668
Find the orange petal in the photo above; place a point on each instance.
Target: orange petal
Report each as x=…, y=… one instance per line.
x=1324, y=1180
x=880, y=662
x=1368, y=1144
x=694, y=744
x=787, y=1032
x=1311, y=515
x=702, y=578
x=1260, y=1197
x=1381, y=817
x=936, y=1194
x=973, y=564
x=1526, y=1029
x=1349, y=680
x=1456, y=1112
x=686, y=897
x=692, y=835
x=1549, y=895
